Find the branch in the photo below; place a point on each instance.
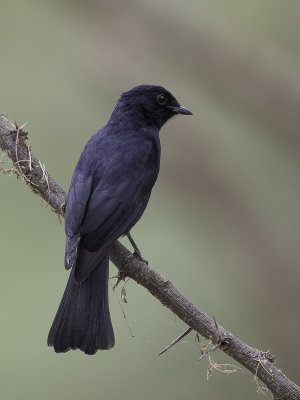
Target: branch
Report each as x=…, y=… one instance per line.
x=261, y=364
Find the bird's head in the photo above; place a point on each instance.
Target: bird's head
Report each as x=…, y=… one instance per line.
x=150, y=105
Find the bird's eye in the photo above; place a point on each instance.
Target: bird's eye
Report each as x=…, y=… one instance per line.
x=161, y=99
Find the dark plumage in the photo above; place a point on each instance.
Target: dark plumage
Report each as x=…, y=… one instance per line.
x=109, y=191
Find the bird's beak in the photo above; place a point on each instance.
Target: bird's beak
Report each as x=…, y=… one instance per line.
x=181, y=110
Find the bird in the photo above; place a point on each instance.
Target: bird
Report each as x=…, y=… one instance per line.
x=109, y=191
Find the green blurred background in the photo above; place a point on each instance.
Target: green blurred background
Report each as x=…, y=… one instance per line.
x=223, y=221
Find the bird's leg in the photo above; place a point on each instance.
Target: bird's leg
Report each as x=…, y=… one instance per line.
x=136, y=253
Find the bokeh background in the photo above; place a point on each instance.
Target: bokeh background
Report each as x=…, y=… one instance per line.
x=223, y=223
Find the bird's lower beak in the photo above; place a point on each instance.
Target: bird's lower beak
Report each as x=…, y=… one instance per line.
x=182, y=110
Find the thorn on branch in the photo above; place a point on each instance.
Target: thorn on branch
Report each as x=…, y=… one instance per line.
x=186, y=332
x=210, y=350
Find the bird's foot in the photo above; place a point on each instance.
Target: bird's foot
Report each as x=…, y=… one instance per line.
x=138, y=256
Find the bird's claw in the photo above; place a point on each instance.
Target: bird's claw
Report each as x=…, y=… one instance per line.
x=137, y=255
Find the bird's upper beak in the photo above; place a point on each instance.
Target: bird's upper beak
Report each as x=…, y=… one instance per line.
x=181, y=110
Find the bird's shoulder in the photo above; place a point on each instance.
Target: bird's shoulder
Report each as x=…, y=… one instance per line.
x=109, y=150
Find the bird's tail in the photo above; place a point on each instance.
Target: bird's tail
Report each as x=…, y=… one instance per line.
x=83, y=320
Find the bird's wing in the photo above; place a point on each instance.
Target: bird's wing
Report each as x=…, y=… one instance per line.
x=78, y=196
x=111, y=211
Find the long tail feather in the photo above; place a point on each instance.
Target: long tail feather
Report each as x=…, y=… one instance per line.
x=83, y=319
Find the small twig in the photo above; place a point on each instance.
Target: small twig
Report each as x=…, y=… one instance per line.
x=16, y=146
x=30, y=158
x=18, y=130
x=206, y=353
x=186, y=332
x=45, y=177
x=120, y=277
x=122, y=309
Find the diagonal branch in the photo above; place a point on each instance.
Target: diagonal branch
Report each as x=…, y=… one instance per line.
x=13, y=142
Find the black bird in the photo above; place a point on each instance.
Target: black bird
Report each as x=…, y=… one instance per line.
x=109, y=191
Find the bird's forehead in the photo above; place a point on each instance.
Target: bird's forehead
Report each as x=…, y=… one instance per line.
x=146, y=91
